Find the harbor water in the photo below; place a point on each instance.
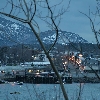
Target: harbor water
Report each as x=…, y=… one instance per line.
x=13, y=91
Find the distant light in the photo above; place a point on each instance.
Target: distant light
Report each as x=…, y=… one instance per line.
x=37, y=73
x=80, y=55
x=32, y=56
x=29, y=71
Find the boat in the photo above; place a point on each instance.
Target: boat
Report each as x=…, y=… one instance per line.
x=19, y=83
x=15, y=93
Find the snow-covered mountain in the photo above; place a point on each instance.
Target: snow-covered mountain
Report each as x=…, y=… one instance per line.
x=14, y=33
x=63, y=37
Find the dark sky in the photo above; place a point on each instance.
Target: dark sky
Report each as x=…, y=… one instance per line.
x=73, y=20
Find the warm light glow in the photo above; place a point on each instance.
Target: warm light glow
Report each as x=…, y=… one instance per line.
x=80, y=55
x=30, y=71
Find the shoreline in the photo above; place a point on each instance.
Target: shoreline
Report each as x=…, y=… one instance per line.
x=41, y=80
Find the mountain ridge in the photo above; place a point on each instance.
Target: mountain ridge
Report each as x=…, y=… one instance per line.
x=12, y=33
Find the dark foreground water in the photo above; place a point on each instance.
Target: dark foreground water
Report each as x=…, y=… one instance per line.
x=12, y=91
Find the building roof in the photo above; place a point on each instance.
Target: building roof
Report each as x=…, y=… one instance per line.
x=37, y=63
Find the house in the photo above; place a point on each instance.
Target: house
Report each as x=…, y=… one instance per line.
x=42, y=56
x=91, y=65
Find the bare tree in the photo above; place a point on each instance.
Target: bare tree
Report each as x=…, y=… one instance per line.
x=93, y=23
x=30, y=13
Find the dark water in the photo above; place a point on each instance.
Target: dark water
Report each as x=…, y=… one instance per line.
x=12, y=91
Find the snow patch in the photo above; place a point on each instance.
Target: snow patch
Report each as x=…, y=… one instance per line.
x=15, y=26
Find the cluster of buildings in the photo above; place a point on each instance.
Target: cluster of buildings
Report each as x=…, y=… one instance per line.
x=21, y=59
x=79, y=61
